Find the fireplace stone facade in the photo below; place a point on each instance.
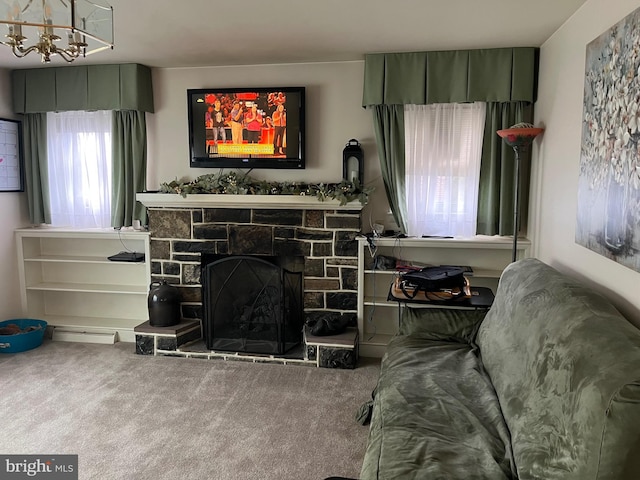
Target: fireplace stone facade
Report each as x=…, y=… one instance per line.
x=325, y=238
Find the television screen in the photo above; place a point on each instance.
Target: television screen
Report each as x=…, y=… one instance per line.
x=247, y=127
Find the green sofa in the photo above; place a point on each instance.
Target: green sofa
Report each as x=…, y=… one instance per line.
x=545, y=386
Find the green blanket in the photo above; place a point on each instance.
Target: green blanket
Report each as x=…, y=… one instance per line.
x=435, y=414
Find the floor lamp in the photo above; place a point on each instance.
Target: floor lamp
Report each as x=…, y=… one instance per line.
x=518, y=137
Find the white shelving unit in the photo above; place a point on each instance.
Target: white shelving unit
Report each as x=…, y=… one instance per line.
x=67, y=280
x=378, y=317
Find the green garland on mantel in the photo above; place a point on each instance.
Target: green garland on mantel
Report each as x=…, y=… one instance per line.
x=243, y=184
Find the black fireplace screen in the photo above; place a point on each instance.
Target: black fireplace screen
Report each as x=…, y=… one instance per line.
x=252, y=303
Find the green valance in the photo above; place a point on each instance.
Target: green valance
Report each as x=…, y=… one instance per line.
x=85, y=87
x=456, y=76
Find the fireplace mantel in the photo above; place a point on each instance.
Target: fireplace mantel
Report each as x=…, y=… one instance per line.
x=291, y=202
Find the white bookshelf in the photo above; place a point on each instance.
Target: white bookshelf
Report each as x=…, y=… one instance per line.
x=67, y=280
x=378, y=317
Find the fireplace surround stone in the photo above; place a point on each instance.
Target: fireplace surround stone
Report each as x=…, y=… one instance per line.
x=324, y=234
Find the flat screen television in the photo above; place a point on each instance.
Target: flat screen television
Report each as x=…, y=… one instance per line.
x=247, y=127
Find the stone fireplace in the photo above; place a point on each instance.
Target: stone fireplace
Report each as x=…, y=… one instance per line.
x=183, y=230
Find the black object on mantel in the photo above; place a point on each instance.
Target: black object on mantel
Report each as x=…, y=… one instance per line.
x=164, y=304
x=353, y=162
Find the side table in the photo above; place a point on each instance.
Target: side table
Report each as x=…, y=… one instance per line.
x=481, y=298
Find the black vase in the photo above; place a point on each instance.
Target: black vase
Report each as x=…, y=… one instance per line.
x=164, y=304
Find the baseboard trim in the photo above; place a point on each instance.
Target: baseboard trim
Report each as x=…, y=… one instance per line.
x=67, y=335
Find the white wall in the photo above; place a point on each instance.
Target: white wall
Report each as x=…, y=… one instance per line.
x=13, y=214
x=555, y=166
x=333, y=116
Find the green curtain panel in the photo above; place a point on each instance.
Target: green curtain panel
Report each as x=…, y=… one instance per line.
x=34, y=128
x=505, y=78
x=388, y=122
x=497, y=171
x=125, y=89
x=85, y=87
x=456, y=76
x=129, y=167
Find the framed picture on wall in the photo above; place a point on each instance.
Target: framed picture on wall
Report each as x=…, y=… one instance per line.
x=11, y=161
x=608, y=214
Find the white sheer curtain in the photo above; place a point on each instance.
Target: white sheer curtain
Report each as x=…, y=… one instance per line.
x=443, y=146
x=79, y=166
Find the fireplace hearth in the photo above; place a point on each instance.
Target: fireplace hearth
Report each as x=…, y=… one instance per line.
x=252, y=303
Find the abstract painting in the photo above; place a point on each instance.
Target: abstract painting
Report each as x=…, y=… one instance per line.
x=608, y=214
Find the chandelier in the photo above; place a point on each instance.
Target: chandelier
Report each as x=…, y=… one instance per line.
x=87, y=27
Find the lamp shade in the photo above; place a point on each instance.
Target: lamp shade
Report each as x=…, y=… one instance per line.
x=520, y=135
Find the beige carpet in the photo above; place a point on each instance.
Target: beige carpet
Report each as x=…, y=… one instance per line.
x=130, y=416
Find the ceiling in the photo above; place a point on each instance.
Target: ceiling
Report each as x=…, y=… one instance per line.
x=191, y=33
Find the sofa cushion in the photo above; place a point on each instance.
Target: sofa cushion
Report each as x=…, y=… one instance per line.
x=435, y=416
x=441, y=323
x=566, y=368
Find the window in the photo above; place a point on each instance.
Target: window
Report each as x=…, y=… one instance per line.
x=443, y=147
x=79, y=168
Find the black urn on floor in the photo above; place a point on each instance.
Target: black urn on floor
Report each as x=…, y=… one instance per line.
x=164, y=304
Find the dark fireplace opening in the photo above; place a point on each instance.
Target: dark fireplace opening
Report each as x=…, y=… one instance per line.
x=252, y=304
